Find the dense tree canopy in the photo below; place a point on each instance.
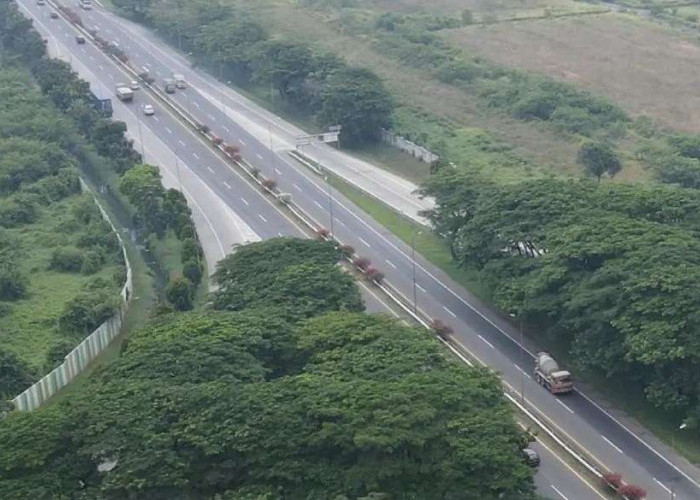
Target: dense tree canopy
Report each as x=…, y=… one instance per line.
x=608, y=268
x=249, y=404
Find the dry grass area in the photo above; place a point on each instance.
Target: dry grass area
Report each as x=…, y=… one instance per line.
x=504, y=8
x=641, y=66
x=415, y=89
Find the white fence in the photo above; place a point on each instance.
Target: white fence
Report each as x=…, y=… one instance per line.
x=409, y=147
x=79, y=358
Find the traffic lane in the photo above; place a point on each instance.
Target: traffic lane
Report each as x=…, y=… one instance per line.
x=556, y=480
x=224, y=182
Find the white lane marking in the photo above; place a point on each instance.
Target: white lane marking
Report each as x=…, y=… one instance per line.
x=181, y=143
x=111, y=77
x=244, y=201
x=611, y=443
x=296, y=187
x=102, y=68
x=241, y=141
x=258, y=155
x=168, y=130
x=211, y=117
x=390, y=263
x=210, y=169
x=83, y=50
x=319, y=205
x=227, y=185
x=662, y=485
x=197, y=156
x=157, y=72
x=338, y=221
x=226, y=128
x=420, y=288
x=568, y=409
x=155, y=118
x=195, y=104
x=486, y=342
x=363, y=241
x=263, y=218
x=559, y=492
x=277, y=171
x=522, y=371
x=92, y=58
x=147, y=65
x=450, y=312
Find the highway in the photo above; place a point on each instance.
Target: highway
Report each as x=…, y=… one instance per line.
x=483, y=332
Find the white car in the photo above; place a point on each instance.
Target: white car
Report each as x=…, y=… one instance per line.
x=149, y=110
x=134, y=85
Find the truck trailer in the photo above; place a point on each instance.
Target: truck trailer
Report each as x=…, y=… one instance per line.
x=125, y=94
x=550, y=376
x=102, y=103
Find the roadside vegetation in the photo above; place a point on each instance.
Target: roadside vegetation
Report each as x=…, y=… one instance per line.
x=61, y=267
x=284, y=389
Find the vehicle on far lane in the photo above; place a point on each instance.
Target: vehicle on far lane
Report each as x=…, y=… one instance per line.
x=134, y=85
x=41, y=2
x=80, y=39
x=550, y=376
x=180, y=81
x=169, y=86
x=149, y=110
x=53, y=15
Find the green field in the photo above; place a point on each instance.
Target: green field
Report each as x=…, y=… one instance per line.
x=30, y=328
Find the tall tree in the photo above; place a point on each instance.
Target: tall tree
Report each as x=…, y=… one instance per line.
x=598, y=159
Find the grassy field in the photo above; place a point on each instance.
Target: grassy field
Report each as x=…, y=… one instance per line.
x=30, y=329
x=638, y=64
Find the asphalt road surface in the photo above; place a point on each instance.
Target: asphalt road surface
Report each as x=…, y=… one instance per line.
x=483, y=332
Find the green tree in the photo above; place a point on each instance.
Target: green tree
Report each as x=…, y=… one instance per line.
x=357, y=100
x=598, y=159
x=180, y=293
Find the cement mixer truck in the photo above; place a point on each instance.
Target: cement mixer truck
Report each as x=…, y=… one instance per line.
x=548, y=375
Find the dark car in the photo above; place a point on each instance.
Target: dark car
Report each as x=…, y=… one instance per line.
x=531, y=457
x=53, y=15
x=80, y=39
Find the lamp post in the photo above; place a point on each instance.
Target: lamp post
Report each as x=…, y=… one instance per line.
x=413, y=265
x=330, y=202
x=522, y=356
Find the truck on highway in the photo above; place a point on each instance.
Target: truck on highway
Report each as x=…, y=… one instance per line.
x=169, y=86
x=124, y=93
x=550, y=376
x=85, y=4
x=102, y=103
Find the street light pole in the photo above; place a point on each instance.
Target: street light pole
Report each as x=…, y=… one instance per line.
x=330, y=203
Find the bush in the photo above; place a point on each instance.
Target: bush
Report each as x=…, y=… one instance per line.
x=15, y=376
x=361, y=262
x=322, y=233
x=180, y=293
x=192, y=271
x=217, y=141
x=346, y=250
x=231, y=150
x=13, y=284
x=190, y=250
x=441, y=329
x=57, y=353
x=67, y=259
x=373, y=274
x=270, y=184
x=93, y=260
x=88, y=310
x=632, y=492
x=613, y=479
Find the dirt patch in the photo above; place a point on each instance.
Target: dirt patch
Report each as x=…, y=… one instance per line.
x=639, y=65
